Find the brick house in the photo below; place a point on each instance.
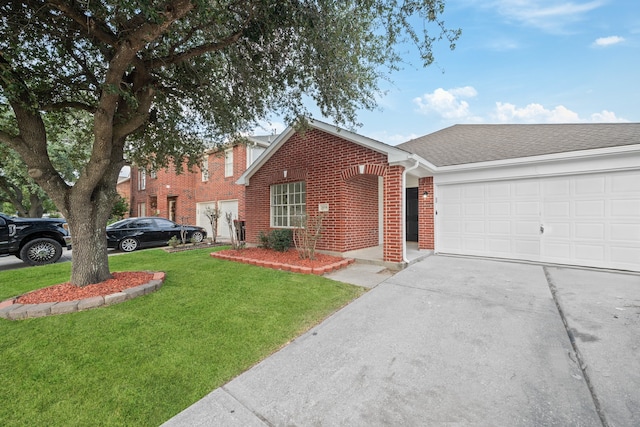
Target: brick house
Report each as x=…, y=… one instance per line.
x=363, y=188
x=562, y=194
x=185, y=197
x=123, y=187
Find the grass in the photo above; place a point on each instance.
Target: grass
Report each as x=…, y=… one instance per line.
x=143, y=361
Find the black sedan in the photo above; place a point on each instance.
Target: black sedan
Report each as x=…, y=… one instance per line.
x=143, y=232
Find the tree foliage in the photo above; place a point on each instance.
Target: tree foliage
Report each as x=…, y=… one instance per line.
x=161, y=79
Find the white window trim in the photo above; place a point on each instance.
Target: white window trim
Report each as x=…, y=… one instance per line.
x=142, y=179
x=228, y=162
x=289, y=195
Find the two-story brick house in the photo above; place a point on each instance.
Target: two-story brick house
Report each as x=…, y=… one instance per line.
x=185, y=197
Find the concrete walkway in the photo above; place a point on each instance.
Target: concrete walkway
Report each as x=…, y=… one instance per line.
x=455, y=342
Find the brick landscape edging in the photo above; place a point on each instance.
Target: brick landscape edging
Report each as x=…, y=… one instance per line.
x=287, y=267
x=11, y=310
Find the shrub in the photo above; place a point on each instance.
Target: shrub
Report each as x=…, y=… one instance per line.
x=279, y=239
x=173, y=242
x=263, y=240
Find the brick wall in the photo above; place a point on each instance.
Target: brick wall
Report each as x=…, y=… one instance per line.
x=393, y=195
x=426, y=214
x=188, y=189
x=329, y=165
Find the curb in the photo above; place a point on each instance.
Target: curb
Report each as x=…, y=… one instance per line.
x=11, y=310
x=319, y=271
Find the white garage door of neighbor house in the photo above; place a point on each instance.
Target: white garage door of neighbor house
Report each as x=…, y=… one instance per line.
x=586, y=220
x=226, y=206
x=201, y=218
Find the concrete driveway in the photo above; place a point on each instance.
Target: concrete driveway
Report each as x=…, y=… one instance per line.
x=455, y=342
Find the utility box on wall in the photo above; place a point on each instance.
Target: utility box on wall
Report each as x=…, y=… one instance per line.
x=323, y=207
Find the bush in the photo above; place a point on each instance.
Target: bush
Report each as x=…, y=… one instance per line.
x=263, y=240
x=173, y=242
x=279, y=239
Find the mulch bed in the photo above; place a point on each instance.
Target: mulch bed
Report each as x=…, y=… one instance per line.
x=290, y=257
x=68, y=292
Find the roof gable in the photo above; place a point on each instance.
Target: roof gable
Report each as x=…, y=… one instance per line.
x=465, y=144
x=395, y=154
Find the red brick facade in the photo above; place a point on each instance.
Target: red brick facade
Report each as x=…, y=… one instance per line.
x=344, y=176
x=174, y=196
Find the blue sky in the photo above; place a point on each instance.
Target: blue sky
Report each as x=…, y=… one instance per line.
x=517, y=61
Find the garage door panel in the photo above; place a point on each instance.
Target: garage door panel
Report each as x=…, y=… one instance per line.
x=527, y=188
x=625, y=255
x=556, y=187
x=626, y=183
x=625, y=232
x=500, y=209
x=557, y=209
x=557, y=230
x=591, y=220
x=590, y=185
x=527, y=208
x=499, y=246
x=589, y=252
x=625, y=208
x=474, y=227
x=589, y=231
x=527, y=228
x=474, y=209
x=559, y=251
x=524, y=249
x=500, y=227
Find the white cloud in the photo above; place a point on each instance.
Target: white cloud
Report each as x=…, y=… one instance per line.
x=608, y=41
x=536, y=113
x=606, y=117
x=449, y=104
x=393, y=139
x=548, y=15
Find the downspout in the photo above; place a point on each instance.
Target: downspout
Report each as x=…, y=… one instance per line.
x=404, y=209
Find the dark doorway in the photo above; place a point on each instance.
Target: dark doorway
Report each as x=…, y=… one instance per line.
x=412, y=215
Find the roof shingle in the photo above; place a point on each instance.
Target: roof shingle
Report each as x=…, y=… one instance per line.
x=462, y=144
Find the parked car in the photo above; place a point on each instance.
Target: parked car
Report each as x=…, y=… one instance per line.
x=143, y=232
x=36, y=241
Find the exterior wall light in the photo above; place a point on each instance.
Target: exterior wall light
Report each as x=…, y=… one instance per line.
x=425, y=194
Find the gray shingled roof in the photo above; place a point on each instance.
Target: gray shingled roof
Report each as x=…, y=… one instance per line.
x=461, y=144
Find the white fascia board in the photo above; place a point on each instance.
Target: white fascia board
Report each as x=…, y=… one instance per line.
x=578, y=162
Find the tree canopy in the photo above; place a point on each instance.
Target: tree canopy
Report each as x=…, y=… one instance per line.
x=161, y=79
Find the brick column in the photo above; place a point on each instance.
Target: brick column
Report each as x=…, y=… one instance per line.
x=393, y=236
x=425, y=214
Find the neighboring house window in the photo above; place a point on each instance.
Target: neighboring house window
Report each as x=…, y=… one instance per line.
x=287, y=202
x=153, y=175
x=204, y=167
x=142, y=179
x=228, y=162
x=142, y=209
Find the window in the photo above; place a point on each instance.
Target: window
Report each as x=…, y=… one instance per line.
x=142, y=179
x=142, y=209
x=287, y=201
x=228, y=162
x=153, y=175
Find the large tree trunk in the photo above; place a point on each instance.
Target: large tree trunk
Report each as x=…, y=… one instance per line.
x=36, y=210
x=87, y=222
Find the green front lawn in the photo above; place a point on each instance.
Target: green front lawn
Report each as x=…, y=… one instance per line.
x=142, y=361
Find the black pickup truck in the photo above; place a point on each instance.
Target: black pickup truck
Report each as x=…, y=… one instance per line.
x=36, y=241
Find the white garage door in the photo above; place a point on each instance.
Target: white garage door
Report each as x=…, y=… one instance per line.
x=201, y=218
x=226, y=206
x=588, y=220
